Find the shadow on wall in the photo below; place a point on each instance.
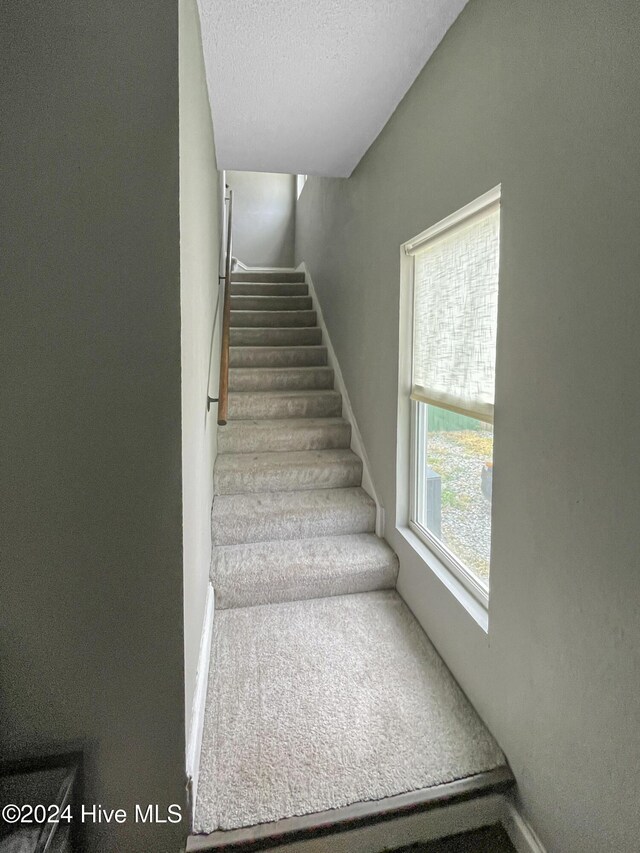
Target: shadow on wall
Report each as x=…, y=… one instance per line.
x=264, y=213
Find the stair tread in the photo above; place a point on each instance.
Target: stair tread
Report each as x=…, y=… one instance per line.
x=267, y=572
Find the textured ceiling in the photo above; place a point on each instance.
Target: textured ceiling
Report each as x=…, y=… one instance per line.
x=305, y=86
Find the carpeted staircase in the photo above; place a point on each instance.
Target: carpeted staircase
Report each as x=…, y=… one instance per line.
x=324, y=692
x=290, y=519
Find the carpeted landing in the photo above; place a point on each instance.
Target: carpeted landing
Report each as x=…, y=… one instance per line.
x=321, y=703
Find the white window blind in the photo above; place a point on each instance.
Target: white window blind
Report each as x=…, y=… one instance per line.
x=456, y=310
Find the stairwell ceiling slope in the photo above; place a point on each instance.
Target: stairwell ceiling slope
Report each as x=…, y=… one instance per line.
x=305, y=87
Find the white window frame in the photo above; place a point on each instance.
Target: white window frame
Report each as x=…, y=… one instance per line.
x=465, y=576
x=467, y=587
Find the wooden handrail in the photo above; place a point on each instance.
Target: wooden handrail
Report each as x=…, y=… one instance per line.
x=223, y=388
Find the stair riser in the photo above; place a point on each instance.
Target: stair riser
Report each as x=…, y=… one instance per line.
x=337, y=475
x=249, y=596
x=277, y=356
x=279, y=440
x=276, y=277
x=280, y=379
x=231, y=596
x=273, y=572
x=258, y=530
x=245, y=406
x=278, y=319
x=239, y=288
x=271, y=303
x=291, y=337
x=305, y=523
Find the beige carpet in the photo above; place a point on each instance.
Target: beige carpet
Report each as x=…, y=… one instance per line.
x=321, y=703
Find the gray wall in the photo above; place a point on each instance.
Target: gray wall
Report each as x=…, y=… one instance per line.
x=200, y=224
x=264, y=214
x=91, y=540
x=543, y=98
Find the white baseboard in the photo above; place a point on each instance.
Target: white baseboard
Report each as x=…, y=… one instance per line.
x=519, y=831
x=357, y=445
x=200, y=697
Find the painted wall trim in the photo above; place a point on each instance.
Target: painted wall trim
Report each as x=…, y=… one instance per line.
x=478, y=611
x=357, y=444
x=194, y=744
x=521, y=833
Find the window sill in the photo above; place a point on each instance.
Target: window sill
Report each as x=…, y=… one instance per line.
x=478, y=611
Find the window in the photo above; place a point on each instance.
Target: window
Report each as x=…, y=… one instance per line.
x=454, y=320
